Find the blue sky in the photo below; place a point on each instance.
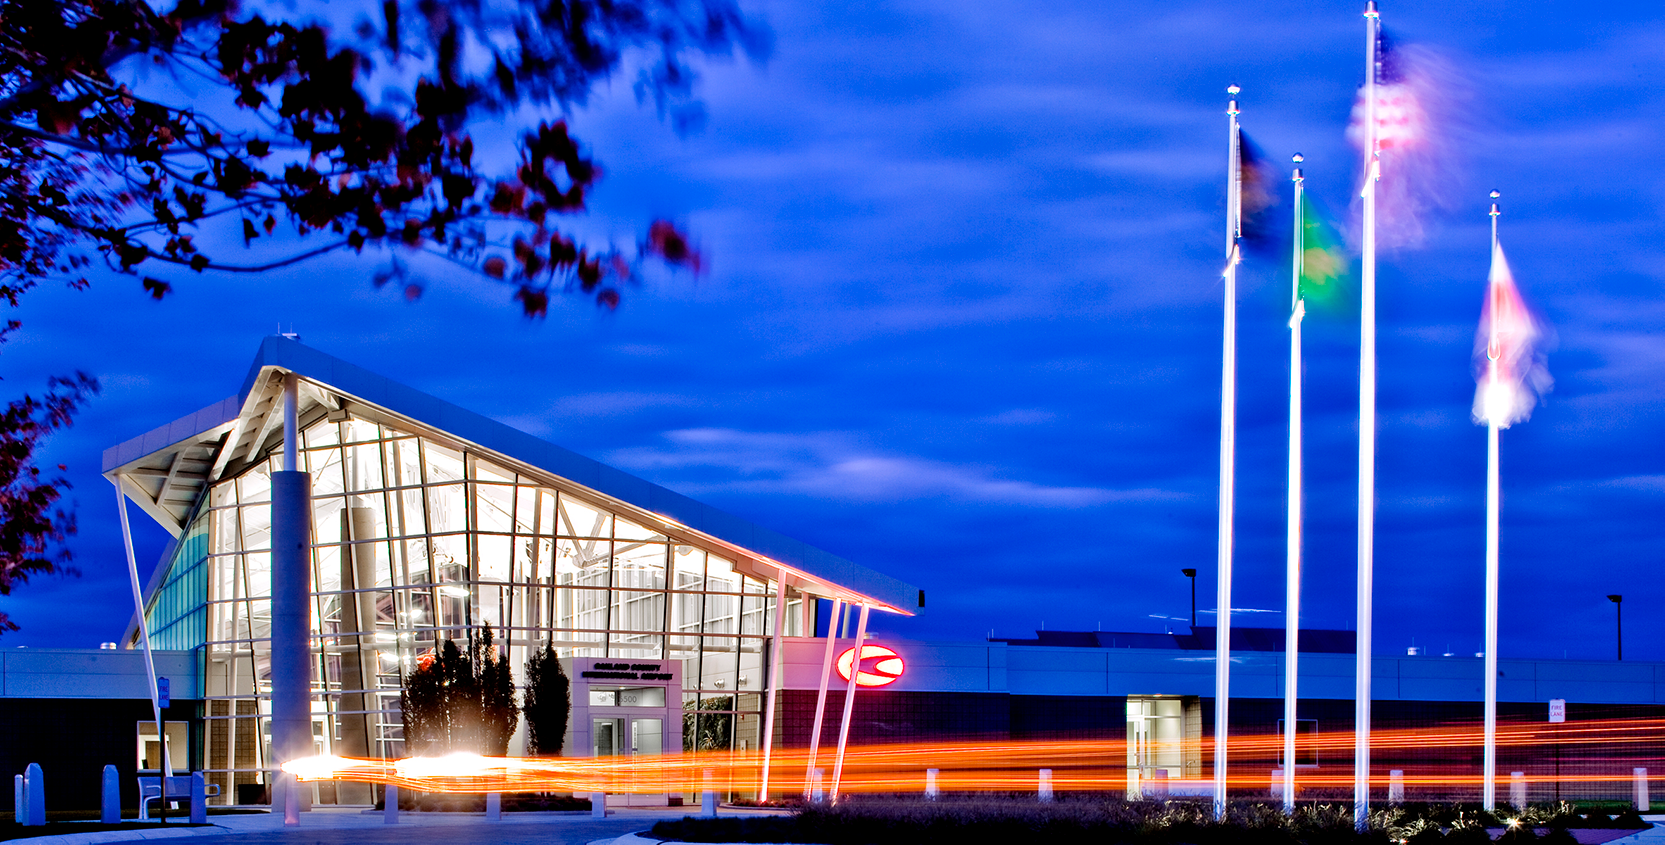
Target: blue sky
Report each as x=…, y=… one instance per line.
x=962, y=321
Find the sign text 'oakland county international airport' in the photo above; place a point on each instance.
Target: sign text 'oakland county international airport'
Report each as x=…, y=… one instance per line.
x=628, y=672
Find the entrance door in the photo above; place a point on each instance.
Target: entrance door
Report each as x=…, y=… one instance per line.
x=647, y=736
x=629, y=736
x=1155, y=744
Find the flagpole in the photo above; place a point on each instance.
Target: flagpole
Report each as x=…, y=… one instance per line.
x=1228, y=457
x=1292, y=566
x=1488, y=795
x=1367, y=437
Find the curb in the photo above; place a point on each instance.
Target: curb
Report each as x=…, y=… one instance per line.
x=124, y=836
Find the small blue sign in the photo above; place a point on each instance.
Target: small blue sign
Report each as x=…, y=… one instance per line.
x=162, y=692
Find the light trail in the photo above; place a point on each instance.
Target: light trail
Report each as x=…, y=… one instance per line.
x=1443, y=756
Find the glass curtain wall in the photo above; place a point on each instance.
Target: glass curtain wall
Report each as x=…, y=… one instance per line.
x=416, y=540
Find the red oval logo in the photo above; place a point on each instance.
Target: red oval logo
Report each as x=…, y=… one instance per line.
x=880, y=665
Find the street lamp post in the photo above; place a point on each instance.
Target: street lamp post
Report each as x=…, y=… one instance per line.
x=1192, y=574
x=1619, y=611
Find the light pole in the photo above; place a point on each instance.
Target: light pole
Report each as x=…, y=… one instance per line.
x=1619, y=617
x=1192, y=574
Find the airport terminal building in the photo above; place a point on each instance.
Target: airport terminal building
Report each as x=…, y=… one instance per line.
x=426, y=521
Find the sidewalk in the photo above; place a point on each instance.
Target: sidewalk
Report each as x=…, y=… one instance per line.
x=360, y=826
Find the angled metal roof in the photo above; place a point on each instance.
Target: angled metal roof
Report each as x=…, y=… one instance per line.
x=166, y=471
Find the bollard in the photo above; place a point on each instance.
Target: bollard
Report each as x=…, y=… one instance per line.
x=1044, y=793
x=930, y=784
x=1276, y=787
x=1159, y=784
x=598, y=805
x=199, y=799
x=708, y=798
x=494, y=806
x=1517, y=791
x=34, y=785
x=817, y=794
x=1640, y=773
x=290, y=789
x=1396, y=786
x=20, y=800
x=390, y=804
x=110, y=797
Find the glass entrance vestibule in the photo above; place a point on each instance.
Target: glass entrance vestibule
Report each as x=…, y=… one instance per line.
x=625, y=708
x=1164, y=742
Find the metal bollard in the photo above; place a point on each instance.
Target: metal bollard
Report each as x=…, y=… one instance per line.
x=390, y=804
x=1641, y=775
x=817, y=792
x=1396, y=786
x=20, y=800
x=34, y=784
x=199, y=799
x=110, y=797
x=598, y=805
x=930, y=784
x=494, y=806
x=1044, y=792
x=1517, y=791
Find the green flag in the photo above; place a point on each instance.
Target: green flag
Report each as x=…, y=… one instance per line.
x=1323, y=261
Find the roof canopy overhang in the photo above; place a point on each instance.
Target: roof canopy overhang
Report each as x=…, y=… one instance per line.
x=167, y=471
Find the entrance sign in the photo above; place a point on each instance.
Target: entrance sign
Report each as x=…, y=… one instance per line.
x=627, y=671
x=1558, y=710
x=880, y=666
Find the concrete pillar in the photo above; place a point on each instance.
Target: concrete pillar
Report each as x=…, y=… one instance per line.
x=1517, y=790
x=1044, y=791
x=1396, y=786
x=931, y=784
x=708, y=797
x=291, y=616
x=34, y=787
x=598, y=805
x=110, y=796
x=1641, y=776
x=494, y=806
x=817, y=792
x=390, y=804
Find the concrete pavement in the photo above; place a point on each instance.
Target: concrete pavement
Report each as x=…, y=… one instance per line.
x=355, y=827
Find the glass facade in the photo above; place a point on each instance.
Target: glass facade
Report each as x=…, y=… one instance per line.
x=416, y=540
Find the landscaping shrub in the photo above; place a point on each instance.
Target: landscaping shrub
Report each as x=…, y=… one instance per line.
x=1020, y=819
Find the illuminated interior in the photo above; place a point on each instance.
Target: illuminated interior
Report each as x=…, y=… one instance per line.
x=417, y=539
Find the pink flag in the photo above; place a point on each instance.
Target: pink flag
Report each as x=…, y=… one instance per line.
x=1508, y=355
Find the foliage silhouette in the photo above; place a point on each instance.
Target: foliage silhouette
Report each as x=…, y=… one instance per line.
x=151, y=139
x=548, y=703
x=458, y=701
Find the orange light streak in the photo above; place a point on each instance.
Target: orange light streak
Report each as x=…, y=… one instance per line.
x=1081, y=765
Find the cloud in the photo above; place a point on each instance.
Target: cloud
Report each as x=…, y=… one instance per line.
x=830, y=465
